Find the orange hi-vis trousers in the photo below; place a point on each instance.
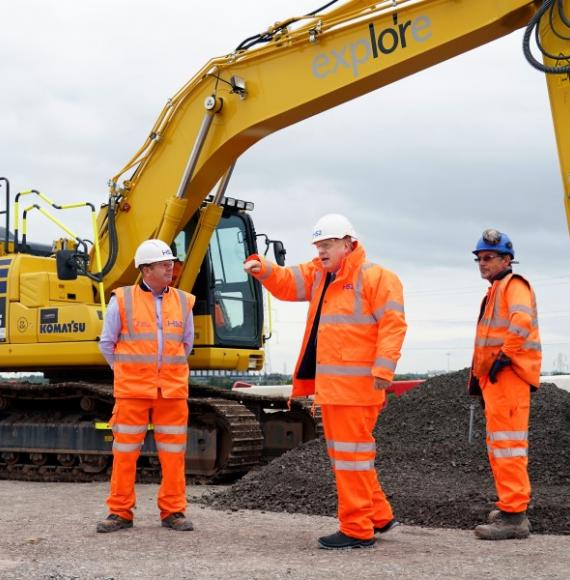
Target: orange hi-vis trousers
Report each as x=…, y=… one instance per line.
x=507, y=407
x=129, y=423
x=362, y=505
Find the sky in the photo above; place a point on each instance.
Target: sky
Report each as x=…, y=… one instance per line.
x=421, y=167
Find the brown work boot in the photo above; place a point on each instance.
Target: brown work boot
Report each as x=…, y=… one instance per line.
x=113, y=523
x=178, y=522
x=505, y=526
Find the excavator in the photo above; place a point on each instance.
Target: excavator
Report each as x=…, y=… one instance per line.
x=53, y=299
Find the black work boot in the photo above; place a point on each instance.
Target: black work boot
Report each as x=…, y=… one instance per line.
x=340, y=541
x=387, y=527
x=178, y=522
x=505, y=526
x=113, y=523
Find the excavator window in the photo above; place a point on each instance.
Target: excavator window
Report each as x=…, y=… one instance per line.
x=222, y=289
x=234, y=300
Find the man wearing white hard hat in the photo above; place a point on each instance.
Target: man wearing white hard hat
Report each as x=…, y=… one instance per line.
x=146, y=339
x=354, y=333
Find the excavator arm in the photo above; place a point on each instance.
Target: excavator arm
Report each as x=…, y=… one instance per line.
x=303, y=66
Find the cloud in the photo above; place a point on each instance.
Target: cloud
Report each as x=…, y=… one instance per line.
x=421, y=166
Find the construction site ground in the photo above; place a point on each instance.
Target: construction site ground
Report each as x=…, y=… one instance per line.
x=48, y=533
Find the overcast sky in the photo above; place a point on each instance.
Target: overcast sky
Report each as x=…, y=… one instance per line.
x=421, y=167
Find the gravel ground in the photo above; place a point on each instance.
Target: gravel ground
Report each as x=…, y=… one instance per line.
x=431, y=473
x=48, y=533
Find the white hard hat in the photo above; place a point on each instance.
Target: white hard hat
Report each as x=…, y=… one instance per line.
x=151, y=251
x=333, y=225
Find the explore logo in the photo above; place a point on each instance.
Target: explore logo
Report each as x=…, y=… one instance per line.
x=379, y=42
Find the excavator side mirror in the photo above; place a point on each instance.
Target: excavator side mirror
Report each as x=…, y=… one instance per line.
x=66, y=265
x=279, y=251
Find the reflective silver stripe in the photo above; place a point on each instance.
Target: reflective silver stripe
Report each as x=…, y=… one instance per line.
x=299, y=282
x=358, y=302
x=390, y=305
x=171, y=429
x=128, y=296
x=518, y=330
x=316, y=282
x=386, y=363
x=171, y=447
x=347, y=319
x=351, y=447
x=532, y=345
x=354, y=371
x=131, y=429
x=510, y=452
x=353, y=465
x=126, y=447
x=268, y=270
x=520, y=308
x=138, y=358
x=174, y=337
x=495, y=322
x=508, y=435
x=489, y=342
x=174, y=360
x=125, y=337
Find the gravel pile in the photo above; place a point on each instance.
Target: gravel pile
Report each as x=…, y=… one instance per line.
x=432, y=475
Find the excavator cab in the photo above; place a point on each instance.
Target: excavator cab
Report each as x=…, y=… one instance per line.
x=228, y=310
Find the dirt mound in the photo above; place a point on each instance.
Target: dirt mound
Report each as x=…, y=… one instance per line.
x=431, y=473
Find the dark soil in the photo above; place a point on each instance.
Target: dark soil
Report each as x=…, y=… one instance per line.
x=431, y=473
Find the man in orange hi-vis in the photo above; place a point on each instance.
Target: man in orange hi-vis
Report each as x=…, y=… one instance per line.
x=147, y=337
x=506, y=367
x=354, y=333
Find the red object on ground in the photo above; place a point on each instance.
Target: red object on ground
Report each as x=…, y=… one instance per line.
x=400, y=387
x=241, y=385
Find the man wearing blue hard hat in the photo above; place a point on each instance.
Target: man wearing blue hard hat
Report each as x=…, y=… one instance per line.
x=506, y=367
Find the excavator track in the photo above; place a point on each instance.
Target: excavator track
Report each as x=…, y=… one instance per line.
x=59, y=432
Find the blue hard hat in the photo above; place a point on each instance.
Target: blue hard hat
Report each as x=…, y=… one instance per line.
x=495, y=241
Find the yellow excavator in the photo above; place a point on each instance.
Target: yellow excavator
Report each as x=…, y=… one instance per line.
x=52, y=299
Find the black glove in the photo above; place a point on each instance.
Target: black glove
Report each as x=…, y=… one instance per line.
x=500, y=363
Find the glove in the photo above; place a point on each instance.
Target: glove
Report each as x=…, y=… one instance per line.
x=500, y=363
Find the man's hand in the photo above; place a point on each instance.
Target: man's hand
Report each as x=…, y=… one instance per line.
x=381, y=384
x=500, y=363
x=252, y=267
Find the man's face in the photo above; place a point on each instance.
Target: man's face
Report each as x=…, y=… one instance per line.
x=331, y=252
x=159, y=274
x=491, y=264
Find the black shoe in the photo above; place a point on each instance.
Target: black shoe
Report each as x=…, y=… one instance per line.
x=113, y=523
x=387, y=527
x=340, y=541
x=177, y=522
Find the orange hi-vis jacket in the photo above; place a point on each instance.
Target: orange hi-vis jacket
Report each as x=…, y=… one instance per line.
x=509, y=324
x=137, y=374
x=361, y=327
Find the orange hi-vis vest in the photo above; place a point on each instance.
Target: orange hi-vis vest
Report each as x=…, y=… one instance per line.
x=135, y=365
x=361, y=326
x=509, y=324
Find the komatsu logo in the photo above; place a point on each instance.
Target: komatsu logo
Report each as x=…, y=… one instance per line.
x=385, y=41
x=62, y=327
